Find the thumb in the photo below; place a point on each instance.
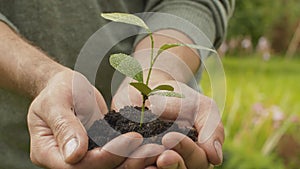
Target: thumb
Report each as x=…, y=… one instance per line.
x=211, y=131
x=213, y=146
x=69, y=133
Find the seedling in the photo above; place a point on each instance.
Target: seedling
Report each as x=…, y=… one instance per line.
x=130, y=67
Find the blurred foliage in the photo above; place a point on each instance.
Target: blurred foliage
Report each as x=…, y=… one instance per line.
x=258, y=18
x=244, y=157
x=257, y=91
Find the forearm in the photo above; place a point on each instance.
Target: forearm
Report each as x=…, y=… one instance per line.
x=179, y=63
x=23, y=67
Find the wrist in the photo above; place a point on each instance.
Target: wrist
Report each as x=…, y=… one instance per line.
x=42, y=81
x=179, y=63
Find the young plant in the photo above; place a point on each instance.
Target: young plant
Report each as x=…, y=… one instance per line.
x=130, y=67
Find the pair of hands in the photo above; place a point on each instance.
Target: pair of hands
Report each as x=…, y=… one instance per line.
x=57, y=119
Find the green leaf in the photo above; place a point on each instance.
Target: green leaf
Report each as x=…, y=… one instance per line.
x=168, y=94
x=126, y=18
x=143, y=88
x=163, y=87
x=199, y=47
x=172, y=45
x=127, y=65
x=166, y=47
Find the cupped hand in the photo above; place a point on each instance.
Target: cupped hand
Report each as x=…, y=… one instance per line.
x=57, y=121
x=195, y=110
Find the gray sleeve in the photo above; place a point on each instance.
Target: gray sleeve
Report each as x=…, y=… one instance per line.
x=5, y=20
x=210, y=16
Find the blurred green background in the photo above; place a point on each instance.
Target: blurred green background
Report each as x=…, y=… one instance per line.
x=261, y=58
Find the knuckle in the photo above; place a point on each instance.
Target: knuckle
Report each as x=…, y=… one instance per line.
x=150, y=150
x=212, y=102
x=60, y=126
x=33, y=159
x=221, y=127
x=207, y=103
x=206, y=99
x=34, y=104
x=33, y=112
x=36, y=157
x=125, y=166
x=39, y=104
x=221, y=132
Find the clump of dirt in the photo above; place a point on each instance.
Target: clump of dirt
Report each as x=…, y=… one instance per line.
x=127, y=120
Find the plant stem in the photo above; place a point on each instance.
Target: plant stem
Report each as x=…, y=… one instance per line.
x=143, y=111
x=148, y=77
x=154, y=60
x=151, y=58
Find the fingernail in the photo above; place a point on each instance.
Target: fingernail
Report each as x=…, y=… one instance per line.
x=219, y=151
x=173, y=166
x=70, y=147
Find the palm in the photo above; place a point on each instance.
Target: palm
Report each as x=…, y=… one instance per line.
x=194, y=110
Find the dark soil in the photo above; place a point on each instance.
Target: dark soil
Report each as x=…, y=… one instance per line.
x=128, y=120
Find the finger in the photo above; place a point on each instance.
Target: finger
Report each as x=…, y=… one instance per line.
x=193, y=156
x=105, y=158
x=126, y=95
x=100, y=101
x=66, y=130
x=87, y=101
x=96, y=158
x=151, y=167
x=144, y=156
x=44, y=150
x=211, y=131
x=99, y=158
x=172, y=108
x=213, y=146
x=124, y=144
x=170, y=160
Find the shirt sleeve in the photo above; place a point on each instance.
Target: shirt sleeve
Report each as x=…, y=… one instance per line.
x=210, y=16
x=5, y=20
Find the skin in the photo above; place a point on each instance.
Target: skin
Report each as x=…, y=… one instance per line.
x=58, y=138
x=195, y=108
x=51, y=119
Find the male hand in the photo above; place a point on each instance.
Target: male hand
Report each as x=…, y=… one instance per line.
x=55, y=118
x=194, y=110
